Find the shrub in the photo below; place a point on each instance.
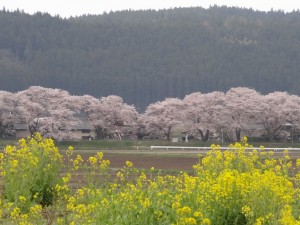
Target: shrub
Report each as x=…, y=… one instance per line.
x=31, y=171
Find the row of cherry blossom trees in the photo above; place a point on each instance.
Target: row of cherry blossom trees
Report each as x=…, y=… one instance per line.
x=54, y=113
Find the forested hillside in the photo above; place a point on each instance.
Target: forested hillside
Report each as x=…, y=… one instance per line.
x=145, y=56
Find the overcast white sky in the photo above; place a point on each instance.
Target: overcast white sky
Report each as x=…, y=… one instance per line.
x=67, y=8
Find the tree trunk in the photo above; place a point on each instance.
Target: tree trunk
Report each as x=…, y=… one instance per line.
x=238, y=133
x=272, y=133
x=32, y=129
x=168, y=133
x=100, y=133
x=201, y=134
x=271, y=137
x=204, y=137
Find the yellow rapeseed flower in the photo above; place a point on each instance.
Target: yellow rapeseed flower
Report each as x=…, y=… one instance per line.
x=92, y=160
x=100, y=155
x=15, y=212
x=184, y=210
x=206, y=221
x=129, y=164
x=22, y=199
x=36, y=210
x=190, y=221
x=298, y=162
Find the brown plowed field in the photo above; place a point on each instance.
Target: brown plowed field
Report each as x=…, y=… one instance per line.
x=167, y=162
x=146, y=161
x=164, y=161
x=174, y=163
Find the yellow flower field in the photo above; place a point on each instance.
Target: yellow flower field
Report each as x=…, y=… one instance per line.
x=227, y=187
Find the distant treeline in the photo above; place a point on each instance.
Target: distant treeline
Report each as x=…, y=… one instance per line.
x=145, y=56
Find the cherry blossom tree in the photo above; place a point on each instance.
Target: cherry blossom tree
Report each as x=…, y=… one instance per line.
x=276, y=110
x=162, y=116
x=7, y=118
x=91, y=106
x=241, y=107
x=48, y=111
x=203, y=112
x=141, y=129
x=292, y=111
x=54, y=113
x=110, y=116
x=119, y=117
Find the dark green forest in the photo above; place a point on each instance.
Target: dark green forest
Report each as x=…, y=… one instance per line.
x=146, y=56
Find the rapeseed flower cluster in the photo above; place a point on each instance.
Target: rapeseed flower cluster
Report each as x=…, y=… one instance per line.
x=233, y=187
x=30, y=171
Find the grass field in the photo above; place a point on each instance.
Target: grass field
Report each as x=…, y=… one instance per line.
x=145, y=144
